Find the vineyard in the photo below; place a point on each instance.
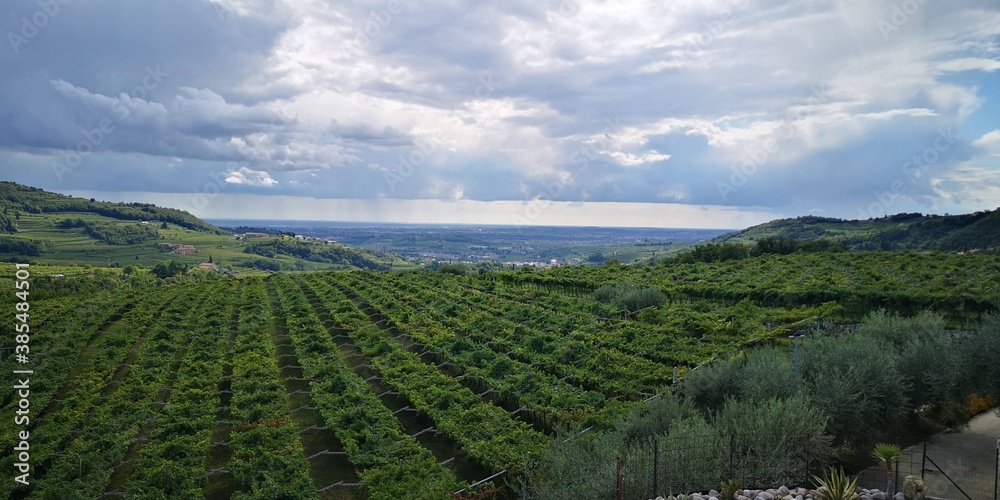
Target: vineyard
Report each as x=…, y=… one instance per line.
x=371, y=384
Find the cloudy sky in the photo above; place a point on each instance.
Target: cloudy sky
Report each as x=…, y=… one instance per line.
x=673, y=113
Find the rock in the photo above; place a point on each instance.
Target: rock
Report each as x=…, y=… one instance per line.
x=714, y=494
x=783, y=491
x=878, y=495
x=899, y=496
x=695, y=496
x=765, y=495
x=913, y=488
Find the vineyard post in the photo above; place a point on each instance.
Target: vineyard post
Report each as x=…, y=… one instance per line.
x=923, y=463
x=795, y=342
x=656, y=465
x=732, y=454
x=618, y=479
x=806, y=479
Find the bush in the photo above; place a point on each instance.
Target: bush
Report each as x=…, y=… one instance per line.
x=583, y=467
x=778, y=424
x=166, y=270
x=654, y=418
x=21, y=246
x=710, y=386
x=766, y=375
x=927, y=359
x=854, y=380
x=630, y=298
x=456, y=269
x=980, y=355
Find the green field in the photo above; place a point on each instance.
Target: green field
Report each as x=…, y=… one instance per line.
x=419, y=383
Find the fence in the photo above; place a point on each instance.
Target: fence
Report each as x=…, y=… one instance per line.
x=660, y=467
x=948, y=471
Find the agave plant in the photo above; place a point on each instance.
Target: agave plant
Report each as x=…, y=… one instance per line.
x=835, y=485
x=887, y=454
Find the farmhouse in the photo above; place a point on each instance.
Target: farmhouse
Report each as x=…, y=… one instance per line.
x=184, y=250
x=208, y=266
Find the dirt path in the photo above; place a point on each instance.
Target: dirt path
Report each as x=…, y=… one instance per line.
x=968, y=457
x=956, y=462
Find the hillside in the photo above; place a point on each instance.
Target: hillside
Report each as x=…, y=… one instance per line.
x=980, y=230
x=63, y=230
x=16, y=199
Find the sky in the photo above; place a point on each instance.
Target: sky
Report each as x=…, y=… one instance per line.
x=682, y=113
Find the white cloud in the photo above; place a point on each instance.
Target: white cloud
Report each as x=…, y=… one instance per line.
x=631, y=160
x=969, y=64
x=989, y=142
x=249, y=177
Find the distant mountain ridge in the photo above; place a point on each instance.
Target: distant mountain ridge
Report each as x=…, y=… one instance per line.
x=16, y=198
x=907, y=231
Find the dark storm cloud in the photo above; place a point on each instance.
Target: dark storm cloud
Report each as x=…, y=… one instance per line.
x=747, y=103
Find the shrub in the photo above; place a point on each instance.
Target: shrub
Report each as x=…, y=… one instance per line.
x=835, y=485
x=766, y=375
x=709, y=386
x=792, y=429
x=582, y=467
x=456, y=269
x=630, y=298
x=854, y=381
x=166, y=270
x=980, y=355
x=654, y=418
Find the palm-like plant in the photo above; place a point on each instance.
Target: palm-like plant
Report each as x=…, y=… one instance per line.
x=887, y=454
x=835, y=485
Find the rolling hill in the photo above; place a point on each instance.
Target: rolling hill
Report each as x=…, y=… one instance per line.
x=980, y=230
x=16, y=199
x=57, y=229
